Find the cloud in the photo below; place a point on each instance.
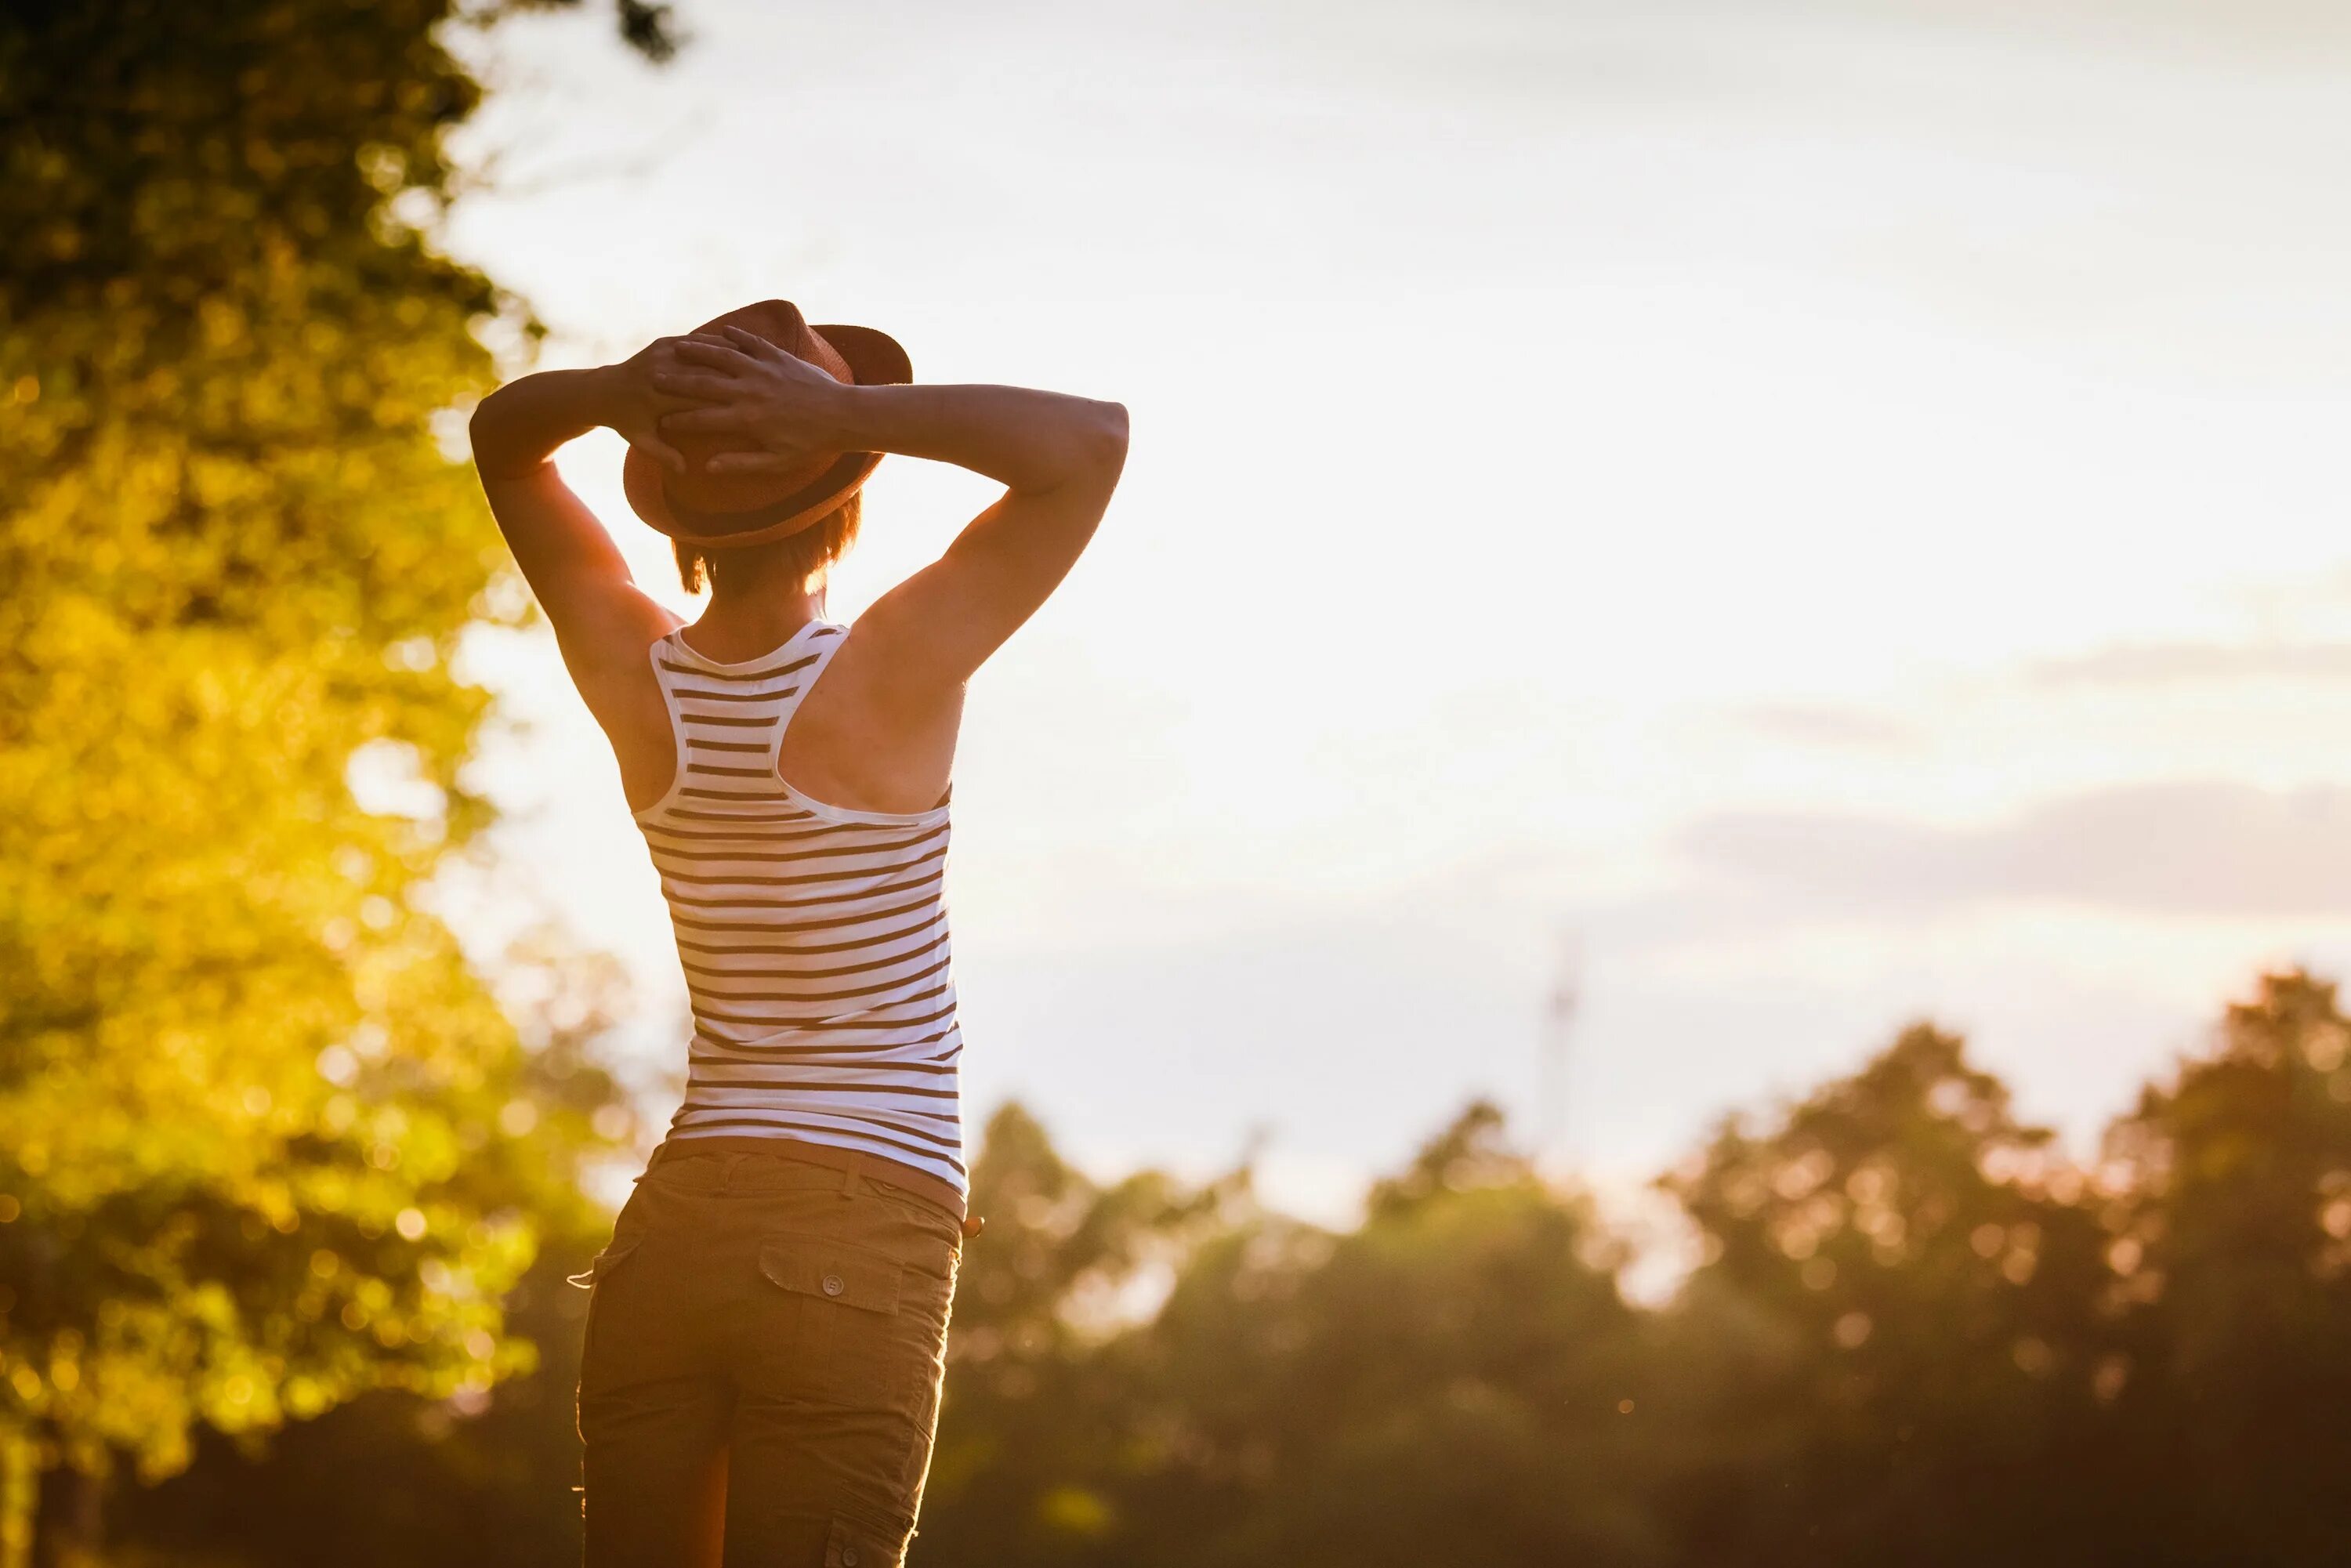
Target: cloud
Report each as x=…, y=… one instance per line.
x=1828, y=725
x=2210, y=849
x=2190, y=663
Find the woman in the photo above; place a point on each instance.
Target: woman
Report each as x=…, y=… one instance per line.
x=766, y=1330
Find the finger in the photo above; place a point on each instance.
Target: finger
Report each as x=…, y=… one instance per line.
x=753, y=345
x=700, y=385
x=662, y=452
x=706, y=418
x=746, y=463
x=716, y=353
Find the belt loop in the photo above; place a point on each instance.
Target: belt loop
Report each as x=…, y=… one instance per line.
x=727, y=1172
x=853, y=1175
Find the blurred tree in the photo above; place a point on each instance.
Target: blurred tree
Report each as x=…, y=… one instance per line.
x=2233, y=1249
x=1894, y=1349
x=265, y=1140
x=395, y=1477
x=1033, y=1409
x=1458, y=1380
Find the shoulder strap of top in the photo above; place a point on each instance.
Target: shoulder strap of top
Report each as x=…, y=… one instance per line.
x=726, y=720
x=816, y=647
x=829, y=639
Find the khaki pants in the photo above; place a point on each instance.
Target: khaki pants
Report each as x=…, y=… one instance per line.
x=766, y=1339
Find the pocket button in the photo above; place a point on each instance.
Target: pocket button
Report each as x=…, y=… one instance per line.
x=833, y=1287
x=849, y=1557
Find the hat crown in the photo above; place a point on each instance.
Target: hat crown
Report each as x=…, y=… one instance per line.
x=731, y=509
x=779, y=321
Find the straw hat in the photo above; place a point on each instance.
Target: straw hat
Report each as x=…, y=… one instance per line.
x=726, y=510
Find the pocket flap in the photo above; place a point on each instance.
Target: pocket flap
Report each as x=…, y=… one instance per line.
x=604, y=1262
x=852, y=1544
x=833, y=1272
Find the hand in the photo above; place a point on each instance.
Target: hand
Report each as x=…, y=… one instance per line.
x=630, y=405
x=751, y=390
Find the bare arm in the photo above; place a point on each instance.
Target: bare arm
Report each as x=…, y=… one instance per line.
x=602, y=620
x=1058, y=458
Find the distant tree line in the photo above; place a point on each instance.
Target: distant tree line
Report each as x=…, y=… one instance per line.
x=1918, y=1334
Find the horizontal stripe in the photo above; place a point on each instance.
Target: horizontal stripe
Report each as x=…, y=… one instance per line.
x=695, y=1075
x=937, y=1126
x=856, y=1020
x=768, y=950
x=758, y=1051
x=765, y=838
x=742, y=914
x=812, y=1086
x=723, y=674
x=663, y=854
x=885, y=985
x=779, y=905
x=843, y=886
x=684, y=694
x=941, y=1147
x=747, y=828
x=855, y=945
x=923, y=1070
x=890, y=1127
x=937, y=1144
x=848, y=946
x=709, y=1045
x=861, y=955
x=754, y=897
x=833, y=853
x=834, y=973
x=688, y=1118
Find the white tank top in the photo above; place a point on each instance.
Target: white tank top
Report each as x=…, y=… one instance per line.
x=814, y=938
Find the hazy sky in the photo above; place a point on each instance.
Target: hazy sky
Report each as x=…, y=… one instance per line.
x=1830, y=511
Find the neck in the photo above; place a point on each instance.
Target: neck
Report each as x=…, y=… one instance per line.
x=750, y=612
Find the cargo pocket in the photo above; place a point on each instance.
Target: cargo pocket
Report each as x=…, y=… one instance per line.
x=603, y=1263
x=852, y=1544
x=594, y=1371
x=834, y=1271
x=929, y=1303
x=843, y=1344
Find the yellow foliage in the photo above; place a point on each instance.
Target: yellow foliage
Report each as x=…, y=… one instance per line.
x=232, y=555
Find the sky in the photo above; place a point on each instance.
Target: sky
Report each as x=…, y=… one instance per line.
x=1779, y=518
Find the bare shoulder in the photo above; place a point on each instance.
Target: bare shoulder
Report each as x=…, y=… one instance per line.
x=883, y=657
x=867, y=738
x=611, y=652
x=613, y=673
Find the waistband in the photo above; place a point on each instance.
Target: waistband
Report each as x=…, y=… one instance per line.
x=869, y=1167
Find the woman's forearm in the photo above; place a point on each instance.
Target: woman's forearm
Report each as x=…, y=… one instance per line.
x=519, y=426
x=1031, y=441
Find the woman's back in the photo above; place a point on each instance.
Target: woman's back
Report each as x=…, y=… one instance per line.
x=813, y=937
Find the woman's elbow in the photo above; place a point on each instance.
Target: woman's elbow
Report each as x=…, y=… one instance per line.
x=496, y=444
x=482, y=431
x=1106, y=438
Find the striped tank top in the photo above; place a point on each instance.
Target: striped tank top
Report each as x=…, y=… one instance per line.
x=814, y=938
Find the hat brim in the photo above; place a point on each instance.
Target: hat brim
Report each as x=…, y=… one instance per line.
x=874, y=359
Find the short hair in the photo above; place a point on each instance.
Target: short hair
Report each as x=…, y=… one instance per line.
x=804, y=554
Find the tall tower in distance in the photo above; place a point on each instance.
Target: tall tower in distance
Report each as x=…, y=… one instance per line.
x=1565, y=997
